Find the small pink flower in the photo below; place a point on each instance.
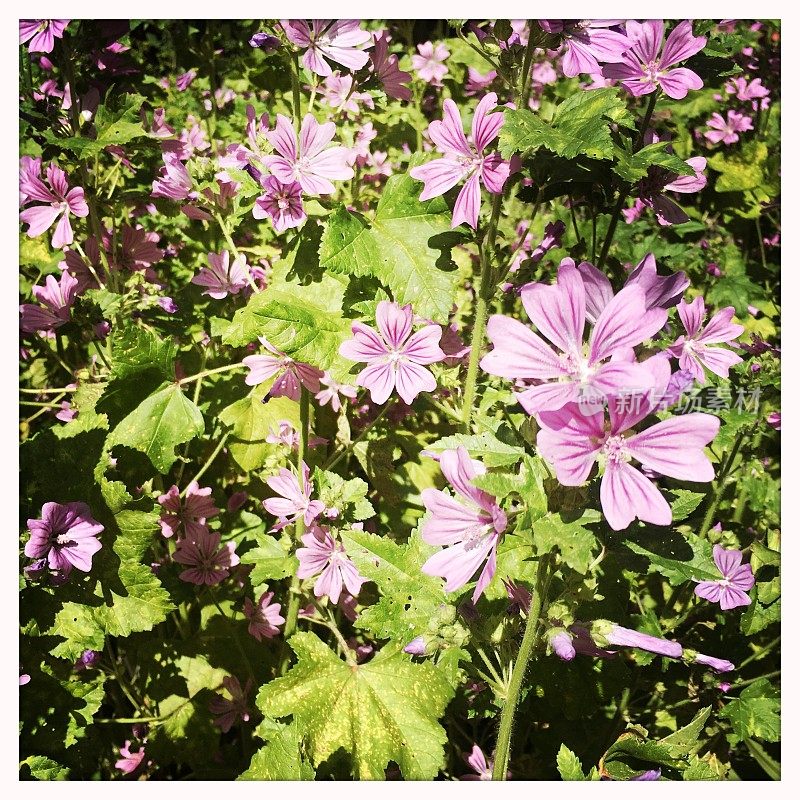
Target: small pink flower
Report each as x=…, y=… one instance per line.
x=190, y=513
x=385, y=66
x=29, y=168
x=477, y=760
x=41, y=33
x=230, y=711
x=173, y=181
x=339, y=40
x=754, y=92
x=263, y=617
x=288, y=436
x=56, y=298
x=208, y=563
x=222, y=277
x=332, y=392
x=587, y=42
x=730, y=591
x=291, y=374
x=339, y=94
x=129, y=762
x=727, y=131
x=281, y=202
x=60, y=200
x=325, y=557
x=429, y=64
x=137, y=250
x=295, y=500
x=182, y=82
x=393, y=354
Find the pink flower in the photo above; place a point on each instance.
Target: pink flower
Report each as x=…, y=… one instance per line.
x=208, y=563
x=138, y=249
x=287, y=435
x=222, y=278
x=693, y=350
x=385, y=67
x=332, y=392
x=29, y=169
x=572, y=442
x=728, y=131
x=174, y=181
x=263, y=617
x=41, y=33
x=587, y=41
x=129, y=762
x=730, y=591
x=190, y=512
x=291, y=374
x=60, y=200
x=66, y=535
x=464, y=158
x=483, y=768
x=281, y=202
x=182, y=82
x=229, y=711
x=478, y=83
x=56, y=298
x=325, y=557
x=393, y=354
x=312, y=166
x=645, y=67
x=571, y=373
x=429, y=64
x=469, y=525
x=752, y=92
x=295, y=499
x=339, y=40
x=340, y=95
x=774, y=420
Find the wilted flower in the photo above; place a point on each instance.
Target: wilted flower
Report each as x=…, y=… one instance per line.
x=173, y=181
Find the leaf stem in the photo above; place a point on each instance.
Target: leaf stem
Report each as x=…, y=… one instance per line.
x=206, y=372
x=208, y=463
x=336, y=458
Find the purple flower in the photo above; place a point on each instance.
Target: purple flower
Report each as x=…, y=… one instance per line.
x=208, y=563
x=291, y=374
x=88, y=659
x=222, y=278
x=325, y=557
x=190, y=513
x=570, y=373
x=717, y=664
x=281, y=202
x=182, y=82
x=730, y=591
x=573, y=441
x=339, y=40
x=560, y=642
x=287, y=435
x=553, y=232
x=385, y=67
x=645, y=67
x=469, y=525
x=478, y=83
x=56, y=298
x=129, y=762
x=41, y=33
x=295, y=500
x=464, y=158
x=311, y=165
x=752, y=92
x=393, y=354
x=477, y=760
x=774, y=420
x=429, y=64
x=174, y=181
x=29, y=168
x=137, y=250
x=693, y=350
x=229, y=711
x=263, y=617
x=587, y=41
x=339, y=94
x=60, y=201
x=609, y=633
x=66, y=535
x=332, y=392
x=264, y=41
x=649, y=775
x=416, y=647
x=727, y=131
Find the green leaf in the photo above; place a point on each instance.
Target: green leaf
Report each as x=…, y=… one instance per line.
x=405, y=246
x=575, y=542
x=138, y=350
x=270, y=559
x=348, y=497
x=162, y=421
x=758, y=616
x=280, y=760
x=633, y=166
x=484, y=447
x=685, y=741
x=755, y=713
x=569, y=765
x=45, y=769
x=740, y=171
x=685, y=503
x=381, y=711
x=700, y=567
x=764, y=759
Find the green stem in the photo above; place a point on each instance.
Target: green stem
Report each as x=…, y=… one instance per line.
x=296, y=91
x=204, y=373
x=708, y=519
x=526, y=84
x=360, y=438
x=529, y=640
x=208, y=463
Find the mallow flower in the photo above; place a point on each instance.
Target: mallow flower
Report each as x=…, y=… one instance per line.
x=727, y=130
x=730, y=591
x=227, y=712
x=128, y=761
x=572, y=372
x=263, y=617
x=282, y=203
x=394, y=356
x=384, y=65
x=428, y=62
x=468, y=524
x=465, y=158
x=56, y=298
x=221, y=277
x=339, y=40
x=189, y=513
x=207, y=562
x=587, y=42
x=41, y=33
x=291, y=374
x=294, y=501
x=322, y=555
x=694, y=351
x=649, y=63
x=573, y=442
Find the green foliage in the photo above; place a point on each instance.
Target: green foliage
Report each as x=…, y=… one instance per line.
x=280, y=760
x=754, y=714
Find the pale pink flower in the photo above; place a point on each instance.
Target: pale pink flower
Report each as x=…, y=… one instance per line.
x=339, y=94
x=60, y=201
x=129, y=762
x=477, y=760
x=56, y=299
x=694, y=351
x=359, y=152
x=207, y=562
x=287, y=435
x=478, y=83
x=294, y=501
x=385, y=67
x=222, y=277
x=41, y=33
x=291, y=374
x=572, y=373
x=727, y=131
x=230, y=711
x=332, y=392
x=429, y=64
x=29, y=169
x=754, y=92
x=281, y=202
x=189, y=513
x=323, y=556
x=311, y=164
x=263, y=617
x=173, y=181
x=464, y=158
x=730, y=591
x=469, y=525
x=393, y=354
x=587, y=42
x=338, y=40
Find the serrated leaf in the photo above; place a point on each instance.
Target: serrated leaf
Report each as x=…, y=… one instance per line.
x=484, y=447
x=45, y=769
x=162, y=421
x=136, y=350
x=384, y=710
x=755, y=713
x=280, y=760
x=570, y=537
x=700, y=567
x=740, y=171
x=685, y=741
x=404, y=246
x=685, y=503
x=569, y=765
x=633, y=166
x=270, y=560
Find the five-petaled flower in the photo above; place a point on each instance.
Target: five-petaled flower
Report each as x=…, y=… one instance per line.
x=295, y=500
x=339, y=40
x=291, y=374
x=229, y=711
x=189, y=513
x=56, y=299
x=263, y=617
x=730, y=591
x=206, y=560
x=41, y=33
x=322, y=555
x=221, y=277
